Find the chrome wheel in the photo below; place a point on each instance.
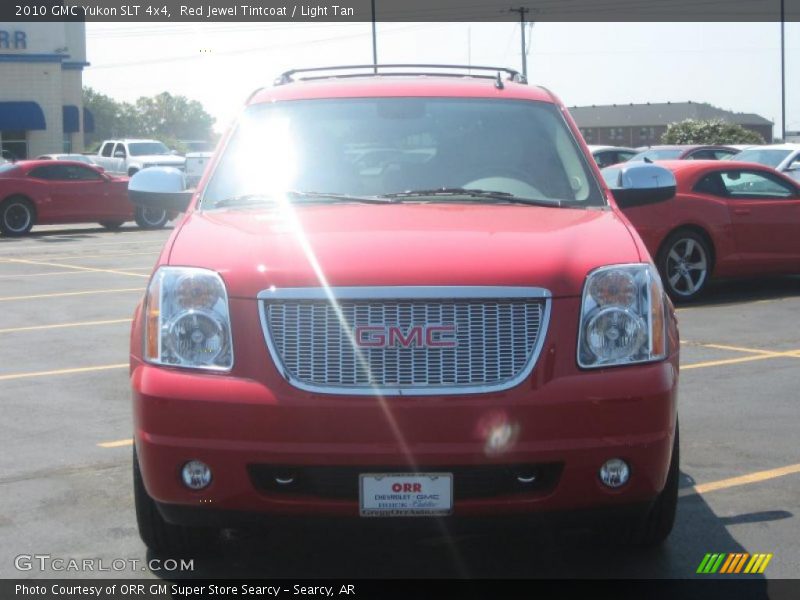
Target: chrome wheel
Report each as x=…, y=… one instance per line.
x=148, y=217
x=17, y=217
x=154, y=216
x=686, y=267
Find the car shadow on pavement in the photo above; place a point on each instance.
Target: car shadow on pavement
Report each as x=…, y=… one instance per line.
x=60, y=235
x=307, y=550
x=730, y=291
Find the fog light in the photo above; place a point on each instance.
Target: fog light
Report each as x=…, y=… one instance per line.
x=615, y=473
x=196, y=475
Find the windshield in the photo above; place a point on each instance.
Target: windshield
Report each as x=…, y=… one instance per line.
x=382, y=146
x=656, y=154
x=770, y=158
x=145, y=148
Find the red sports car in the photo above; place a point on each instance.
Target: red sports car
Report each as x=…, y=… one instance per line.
x=727, y=219
x=47, y=192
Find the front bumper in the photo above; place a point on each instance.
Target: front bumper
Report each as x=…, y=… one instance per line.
x=577, y=420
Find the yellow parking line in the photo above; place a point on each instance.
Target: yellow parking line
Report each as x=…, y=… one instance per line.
x=62, y=371
x=106, y=255
x=731, y=348
x=44, y=274
x=756, y=477
x=60, y=325
x=743, y=359
x=75, y=267
x=62, y=243
x=79, y=256
x=117, y=444
x=61, y=294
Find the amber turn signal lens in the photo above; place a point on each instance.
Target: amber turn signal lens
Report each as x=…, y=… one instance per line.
x=658, y=334
x=152, y=311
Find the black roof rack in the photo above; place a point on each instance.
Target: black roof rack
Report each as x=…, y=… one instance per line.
x=419, y=69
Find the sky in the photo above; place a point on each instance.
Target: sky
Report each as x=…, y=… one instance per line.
x=735, y=66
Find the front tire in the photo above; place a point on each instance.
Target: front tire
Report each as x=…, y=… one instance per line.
x=685, y=265
x=17, y=216
x=657, y=525
x=151, y=218
x=159, y=535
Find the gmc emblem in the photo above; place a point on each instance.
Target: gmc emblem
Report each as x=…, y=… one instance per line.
x=416, y=336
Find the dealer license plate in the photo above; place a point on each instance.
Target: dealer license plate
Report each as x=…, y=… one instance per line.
x=405, y=494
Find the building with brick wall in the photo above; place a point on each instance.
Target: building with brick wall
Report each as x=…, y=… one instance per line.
x=41, y=80
x=637, y=125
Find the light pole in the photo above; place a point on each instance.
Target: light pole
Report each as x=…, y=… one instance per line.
x=783, y=77
x=374, y=41
x=522, y=10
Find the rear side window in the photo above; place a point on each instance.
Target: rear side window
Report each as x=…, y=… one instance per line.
x=723, y=154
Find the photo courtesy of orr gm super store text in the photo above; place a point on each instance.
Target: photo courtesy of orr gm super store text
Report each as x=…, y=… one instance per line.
x=373, y=299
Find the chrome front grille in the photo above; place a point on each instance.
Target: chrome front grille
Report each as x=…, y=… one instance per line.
x=313, y=340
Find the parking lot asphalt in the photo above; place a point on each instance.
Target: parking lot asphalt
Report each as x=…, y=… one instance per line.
x=66, y=299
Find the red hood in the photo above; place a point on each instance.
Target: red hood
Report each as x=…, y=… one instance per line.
x=405, y=244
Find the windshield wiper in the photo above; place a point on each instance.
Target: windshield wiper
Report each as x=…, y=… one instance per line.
x=469, y=194
x=248, y=199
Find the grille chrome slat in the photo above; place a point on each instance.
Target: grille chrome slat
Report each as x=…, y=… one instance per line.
x=500, y=332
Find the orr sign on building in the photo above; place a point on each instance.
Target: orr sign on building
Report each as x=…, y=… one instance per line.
x=41, y=107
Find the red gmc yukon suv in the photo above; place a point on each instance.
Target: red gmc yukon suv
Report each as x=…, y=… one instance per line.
x=403, y=295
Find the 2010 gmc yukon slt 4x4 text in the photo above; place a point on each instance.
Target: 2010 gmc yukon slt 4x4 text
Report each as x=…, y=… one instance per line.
x=397, y=296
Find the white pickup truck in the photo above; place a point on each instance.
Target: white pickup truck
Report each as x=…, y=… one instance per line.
x=126, y=157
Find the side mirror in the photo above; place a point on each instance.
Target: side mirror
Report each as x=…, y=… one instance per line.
x=639, y=183
x=160, y=187
x=119, y=155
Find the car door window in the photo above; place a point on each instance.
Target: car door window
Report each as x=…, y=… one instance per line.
x=120, y=148
x=107, y=148
x=52, y=172
x=711, y=184
x=751, y=184
x=76, y=173
x=702, y=155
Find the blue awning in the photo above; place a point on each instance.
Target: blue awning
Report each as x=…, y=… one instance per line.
x=21, y=116
x=88, y=121
x=71, y=119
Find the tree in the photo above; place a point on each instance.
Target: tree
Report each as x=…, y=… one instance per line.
x=174, y=117
x=111, y=118
x=712, y=131
x=164, y=117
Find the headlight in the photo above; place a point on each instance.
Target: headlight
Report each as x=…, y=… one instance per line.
x=622, y=317
x=187, y=323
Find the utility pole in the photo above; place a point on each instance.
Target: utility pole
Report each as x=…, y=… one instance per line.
x=374, y=41
x=783, y=77
x=522, y=10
